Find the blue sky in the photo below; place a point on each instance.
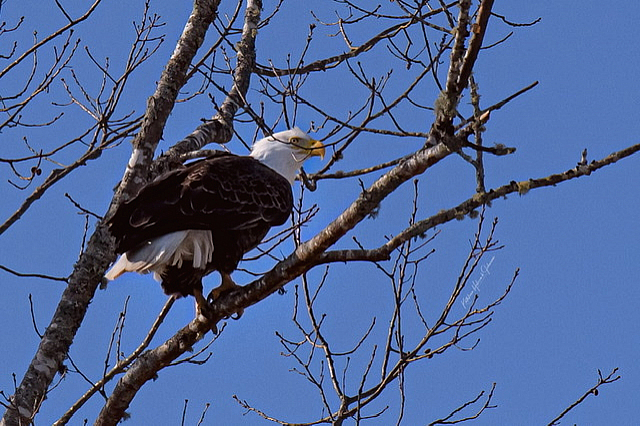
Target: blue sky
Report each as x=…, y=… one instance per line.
x=573, y=309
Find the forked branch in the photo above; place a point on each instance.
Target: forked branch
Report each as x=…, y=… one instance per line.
x=611, y=377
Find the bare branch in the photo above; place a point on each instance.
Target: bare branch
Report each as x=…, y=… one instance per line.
x=516, y=24
x=82, y=209
x=27, y=275
x=469, y=206
x=334, y=61
x=449, y=420
x=593, y=391
x=52, y=36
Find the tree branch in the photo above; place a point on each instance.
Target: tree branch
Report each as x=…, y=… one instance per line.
x=334, y=61
x=52, y=36
x=592, y=391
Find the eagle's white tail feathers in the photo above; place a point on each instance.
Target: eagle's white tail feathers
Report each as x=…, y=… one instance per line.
x=170, y=249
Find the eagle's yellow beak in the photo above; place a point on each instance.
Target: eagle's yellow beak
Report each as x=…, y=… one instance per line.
x=316, y=148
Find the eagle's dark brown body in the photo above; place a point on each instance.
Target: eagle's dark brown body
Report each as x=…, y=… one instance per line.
x=237, y=198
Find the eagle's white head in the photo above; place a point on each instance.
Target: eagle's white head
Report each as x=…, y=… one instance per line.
x=285, y=151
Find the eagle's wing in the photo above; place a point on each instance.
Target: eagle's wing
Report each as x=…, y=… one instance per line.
x=225, y=193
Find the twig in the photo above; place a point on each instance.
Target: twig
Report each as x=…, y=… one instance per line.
x=593, y=391
x=82, y=209
x=448, y=419
x=52, y=36
x=25, y=275
x=33, y=317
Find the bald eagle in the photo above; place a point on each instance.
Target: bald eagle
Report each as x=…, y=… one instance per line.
x=206, y=215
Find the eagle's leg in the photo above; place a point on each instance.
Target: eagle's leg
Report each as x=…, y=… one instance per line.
x=227, y=285
x=203, y=308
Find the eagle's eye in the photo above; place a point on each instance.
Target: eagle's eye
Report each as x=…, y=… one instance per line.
x=294, y=141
